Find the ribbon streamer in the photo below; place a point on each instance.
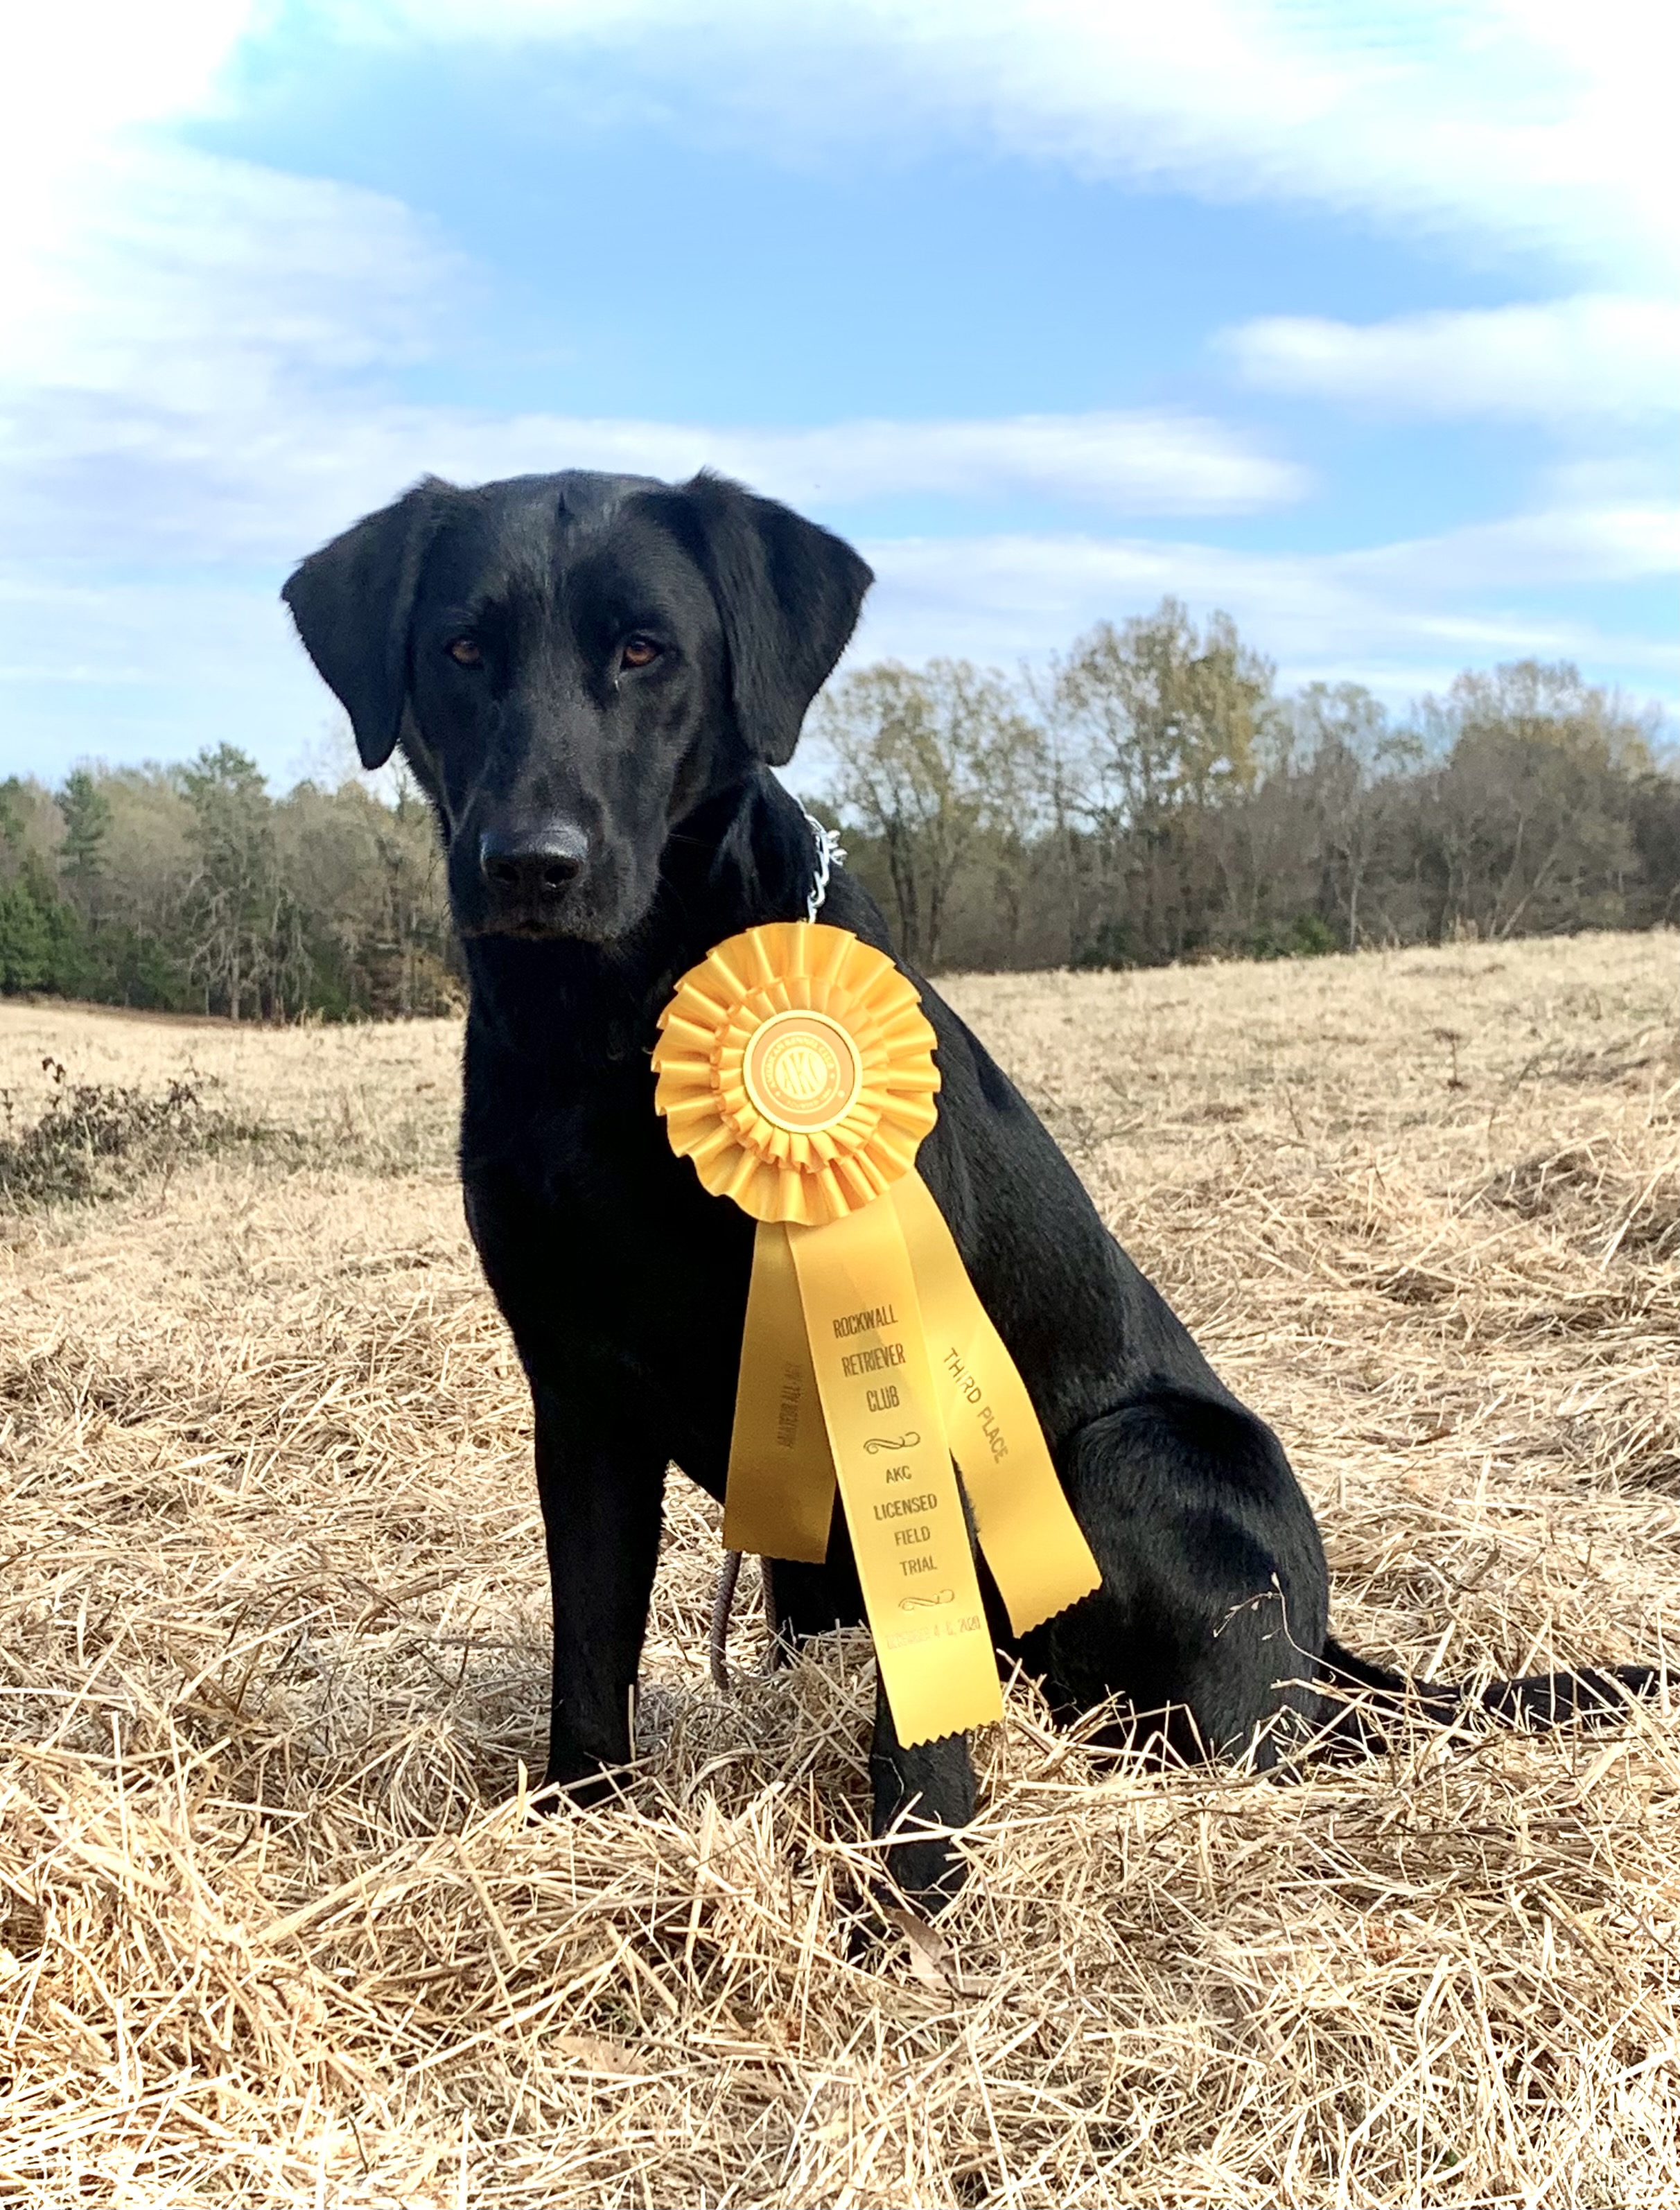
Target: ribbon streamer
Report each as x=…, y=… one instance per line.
x=795, y=1069
x=896, y=1482
x=779, y=1499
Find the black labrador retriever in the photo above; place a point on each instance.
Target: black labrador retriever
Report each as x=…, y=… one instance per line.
x=592, y=677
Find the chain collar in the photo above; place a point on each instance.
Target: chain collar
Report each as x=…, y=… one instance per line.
x=830, y=853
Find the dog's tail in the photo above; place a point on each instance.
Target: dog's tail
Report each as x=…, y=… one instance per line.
x=1370, y=1695
x=723, y=1604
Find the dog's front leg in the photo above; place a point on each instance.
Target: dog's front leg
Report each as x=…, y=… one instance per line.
x=602, y=1501
x=931, y=1785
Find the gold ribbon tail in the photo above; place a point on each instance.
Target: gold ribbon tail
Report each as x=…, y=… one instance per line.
x=779, y=1502
x=904, y=1512
x=1037, y=1555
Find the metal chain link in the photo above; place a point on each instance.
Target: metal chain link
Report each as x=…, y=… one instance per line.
x=830, y=853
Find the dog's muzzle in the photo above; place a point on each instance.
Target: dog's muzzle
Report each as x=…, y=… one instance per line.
x=529, y=872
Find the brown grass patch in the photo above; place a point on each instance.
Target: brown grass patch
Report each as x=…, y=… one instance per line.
x=274, y=1928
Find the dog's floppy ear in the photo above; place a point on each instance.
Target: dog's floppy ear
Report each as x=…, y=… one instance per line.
x=352, y=602
x=788, y=593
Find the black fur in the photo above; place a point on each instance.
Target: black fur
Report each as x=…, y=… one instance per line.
x=607, y=824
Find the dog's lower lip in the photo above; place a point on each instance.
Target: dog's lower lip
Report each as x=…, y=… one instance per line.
x=529, y=928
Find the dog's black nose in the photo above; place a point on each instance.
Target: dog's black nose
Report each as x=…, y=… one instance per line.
x=532, y=863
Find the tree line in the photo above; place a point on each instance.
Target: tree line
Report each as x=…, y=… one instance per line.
x=1150, y=796
x=191, y=889
x=1147, y=796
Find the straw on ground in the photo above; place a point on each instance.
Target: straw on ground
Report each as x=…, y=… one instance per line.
x=274, y=1927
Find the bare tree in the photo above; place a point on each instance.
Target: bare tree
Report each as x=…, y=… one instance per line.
x=927, y=761
x=1349, y=754
x=1531, y=819
x=1166, y=722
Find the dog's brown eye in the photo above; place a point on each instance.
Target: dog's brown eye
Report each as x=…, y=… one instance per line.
x=640, y=652
x=464, y=653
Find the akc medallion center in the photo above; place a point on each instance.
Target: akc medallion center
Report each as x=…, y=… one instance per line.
x=802, y=1072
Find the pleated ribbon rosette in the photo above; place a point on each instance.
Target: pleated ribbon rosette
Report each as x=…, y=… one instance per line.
x=795, y=1069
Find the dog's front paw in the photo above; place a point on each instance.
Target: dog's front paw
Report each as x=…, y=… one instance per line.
x=929, y=1871
x=569, y=1787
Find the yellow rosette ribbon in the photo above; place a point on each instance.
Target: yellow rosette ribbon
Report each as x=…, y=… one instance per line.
x=795, y=1069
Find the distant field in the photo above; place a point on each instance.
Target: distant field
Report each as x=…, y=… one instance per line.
x=273, y=1644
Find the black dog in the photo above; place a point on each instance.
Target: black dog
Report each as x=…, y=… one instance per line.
x=592, y=676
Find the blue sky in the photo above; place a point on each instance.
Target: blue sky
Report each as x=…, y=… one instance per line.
x=1357, y=320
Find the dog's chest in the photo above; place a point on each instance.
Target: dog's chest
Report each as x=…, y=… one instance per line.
x=594, y=1232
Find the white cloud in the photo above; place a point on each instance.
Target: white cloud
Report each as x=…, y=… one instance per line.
x=81, y=68
x=195, y=347
x=83, y=77
x=1402, y=617
x=1527, y=121
x=197, y=351
x=1141, y=463
x=170, y=320
x=1535, y=123
x=190, y=340
x=204, y=376
x=1399, y=616
x=263, y=474
x=1566, y=361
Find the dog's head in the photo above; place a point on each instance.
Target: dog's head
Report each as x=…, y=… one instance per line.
x=573, y=664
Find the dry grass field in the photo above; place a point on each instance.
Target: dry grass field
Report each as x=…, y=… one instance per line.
x=275, y=1928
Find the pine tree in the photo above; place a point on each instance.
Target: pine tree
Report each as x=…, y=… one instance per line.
x=87, y=812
